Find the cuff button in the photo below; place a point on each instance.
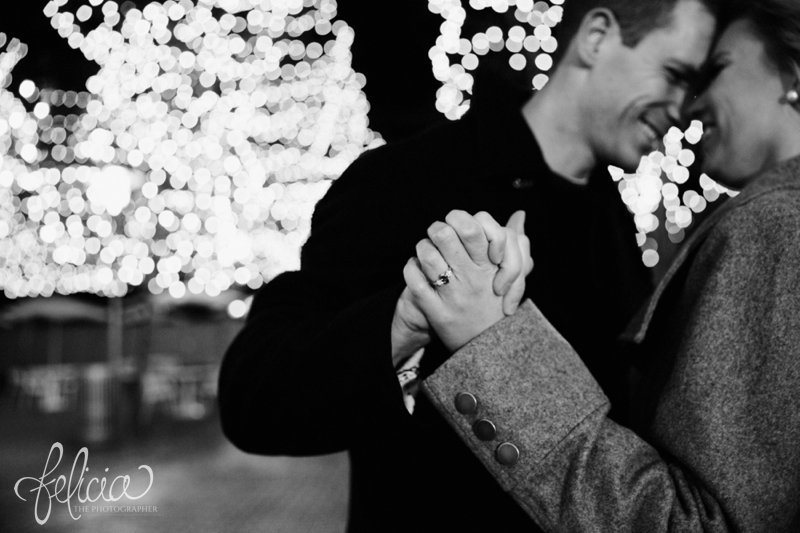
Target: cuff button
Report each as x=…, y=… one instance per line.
x=507, y=454
x=484, y=429
x=466, y=403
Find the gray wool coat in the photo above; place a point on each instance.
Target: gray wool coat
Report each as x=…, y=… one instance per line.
x=713, y=439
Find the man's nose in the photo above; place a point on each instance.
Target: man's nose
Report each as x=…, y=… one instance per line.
x=676, y=105
x=694, y=108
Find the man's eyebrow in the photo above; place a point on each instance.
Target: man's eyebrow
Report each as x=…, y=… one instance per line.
x=685, y=69
x=717, y=57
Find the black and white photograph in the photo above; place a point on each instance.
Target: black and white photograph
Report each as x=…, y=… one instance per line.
x=432, y=266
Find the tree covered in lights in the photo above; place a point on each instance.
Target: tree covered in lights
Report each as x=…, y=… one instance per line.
x=195, y=157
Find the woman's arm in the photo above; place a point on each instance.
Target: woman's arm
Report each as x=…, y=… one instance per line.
x=722, y=453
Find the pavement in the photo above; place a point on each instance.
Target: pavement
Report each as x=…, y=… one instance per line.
x=201, y=483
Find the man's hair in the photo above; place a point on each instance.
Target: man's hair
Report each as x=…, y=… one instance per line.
x=636, y=18
x=778, y=23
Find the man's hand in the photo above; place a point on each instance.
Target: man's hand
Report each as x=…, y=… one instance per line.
x=515, y=266
x=468, y=303
x=410, y=328
x=510, y=254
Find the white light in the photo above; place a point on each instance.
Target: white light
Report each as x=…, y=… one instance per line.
x=177, y=290
x=26, y=89
x=84, y=13
x=41, y=110
x=539, y=16
x=643, y=191
x=214, y=163
x=237, y=309
x=110, y=188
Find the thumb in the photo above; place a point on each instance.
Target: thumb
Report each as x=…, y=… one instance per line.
x=517, y=222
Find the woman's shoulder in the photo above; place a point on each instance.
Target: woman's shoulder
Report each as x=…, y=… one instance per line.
x=770, y=218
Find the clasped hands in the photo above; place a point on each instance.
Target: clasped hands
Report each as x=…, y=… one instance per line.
x=482, y=267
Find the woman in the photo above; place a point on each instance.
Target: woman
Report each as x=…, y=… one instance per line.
x=713, y=443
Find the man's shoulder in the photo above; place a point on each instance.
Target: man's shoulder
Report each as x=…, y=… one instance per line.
x=445, y=144
x=399, y=169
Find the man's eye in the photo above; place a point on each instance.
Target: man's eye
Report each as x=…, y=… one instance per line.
x=706, y=77
x=713, y=70
x=676, y=77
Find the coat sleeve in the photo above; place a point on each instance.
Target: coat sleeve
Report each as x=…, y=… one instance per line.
x=723, y=455
x=312, y=366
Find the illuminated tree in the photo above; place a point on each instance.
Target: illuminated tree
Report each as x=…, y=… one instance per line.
x=195, y=157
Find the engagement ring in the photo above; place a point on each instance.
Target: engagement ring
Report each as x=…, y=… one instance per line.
x=443, y=279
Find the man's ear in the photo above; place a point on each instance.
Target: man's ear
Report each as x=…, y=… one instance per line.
x=597, y=28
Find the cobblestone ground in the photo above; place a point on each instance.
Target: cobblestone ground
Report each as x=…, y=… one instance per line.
x=201, y=482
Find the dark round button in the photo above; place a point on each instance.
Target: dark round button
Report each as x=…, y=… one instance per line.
x=466, y=403
x=484, y=429
x=507, y=454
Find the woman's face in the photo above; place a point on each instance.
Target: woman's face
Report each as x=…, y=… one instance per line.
x=748, y=125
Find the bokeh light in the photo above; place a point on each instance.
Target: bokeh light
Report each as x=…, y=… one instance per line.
x=656, y=183
x=533, y=34
x=192, y=162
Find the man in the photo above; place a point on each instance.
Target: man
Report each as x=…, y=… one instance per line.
x=312, y=371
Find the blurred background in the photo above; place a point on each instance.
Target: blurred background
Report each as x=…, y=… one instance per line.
x=160, y=161
x=127, y=261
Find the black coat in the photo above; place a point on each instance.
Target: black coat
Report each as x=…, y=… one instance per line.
x=311, y=371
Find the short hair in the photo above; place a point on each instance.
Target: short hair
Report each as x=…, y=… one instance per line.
x=636, y=18
x=778, y=23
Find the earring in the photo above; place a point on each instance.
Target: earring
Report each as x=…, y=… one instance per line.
x=792, y=96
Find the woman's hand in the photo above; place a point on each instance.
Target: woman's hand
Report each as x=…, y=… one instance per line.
x=456, y=280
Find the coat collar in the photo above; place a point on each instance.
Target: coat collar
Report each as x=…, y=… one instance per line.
x=784, y=175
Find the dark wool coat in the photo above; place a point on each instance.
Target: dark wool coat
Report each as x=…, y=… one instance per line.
x=713, y=442
x=311, y=371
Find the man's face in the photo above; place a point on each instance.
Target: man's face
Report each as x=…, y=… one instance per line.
x=634, y=94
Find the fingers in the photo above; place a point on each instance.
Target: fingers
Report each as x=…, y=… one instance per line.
x=517, y=222
x=511, y=266
x=517, y=263
x=525, y=249
x=449, y=245
x=515, y=293
x=514, y=296
x=495, y=234
x=430, y=259
x=471, y=234
x=416, y=282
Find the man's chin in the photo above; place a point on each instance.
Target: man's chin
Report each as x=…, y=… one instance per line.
x=627, y=156
x=629, y=161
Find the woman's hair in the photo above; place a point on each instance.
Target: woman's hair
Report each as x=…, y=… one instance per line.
x=778, y=22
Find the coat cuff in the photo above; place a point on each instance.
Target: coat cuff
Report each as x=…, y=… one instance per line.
x=530, y=389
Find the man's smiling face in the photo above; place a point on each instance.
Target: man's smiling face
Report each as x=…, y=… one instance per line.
x=635, y=93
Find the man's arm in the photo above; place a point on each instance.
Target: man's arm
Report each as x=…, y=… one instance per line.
x=313, y=363
x=723, y=455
